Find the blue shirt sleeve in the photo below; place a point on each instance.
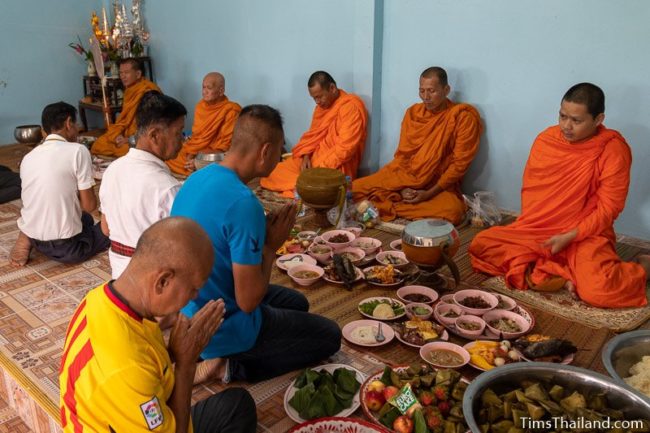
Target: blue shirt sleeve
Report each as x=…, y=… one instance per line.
x=245, y=231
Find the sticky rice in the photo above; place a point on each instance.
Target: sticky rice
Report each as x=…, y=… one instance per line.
x=640, y=376
x=383, y=311
x=363, y=335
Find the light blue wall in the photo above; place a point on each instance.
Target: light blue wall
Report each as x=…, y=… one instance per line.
x=514, y=59
x=36, y=65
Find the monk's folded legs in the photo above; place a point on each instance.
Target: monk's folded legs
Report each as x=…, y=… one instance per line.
x=446, y=205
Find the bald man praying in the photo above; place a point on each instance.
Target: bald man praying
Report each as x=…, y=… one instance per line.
x=214, y=120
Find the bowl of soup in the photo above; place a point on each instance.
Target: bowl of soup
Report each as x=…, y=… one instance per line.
x=442, y=354
x=305, y=275
x=423, y=294
x=469, y=325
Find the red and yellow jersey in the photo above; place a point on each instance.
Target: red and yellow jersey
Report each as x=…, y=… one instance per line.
x=116, y=374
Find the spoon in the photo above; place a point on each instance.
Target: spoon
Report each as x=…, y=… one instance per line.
x=380, y=334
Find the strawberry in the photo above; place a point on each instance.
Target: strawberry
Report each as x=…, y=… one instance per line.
x=441, y=393
x=433, y=420
x=426, y=398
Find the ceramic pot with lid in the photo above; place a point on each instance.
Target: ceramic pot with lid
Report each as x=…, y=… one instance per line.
x=431, y=243
x=321, y=188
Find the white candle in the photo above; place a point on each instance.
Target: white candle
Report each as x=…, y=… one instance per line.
x=105, y=22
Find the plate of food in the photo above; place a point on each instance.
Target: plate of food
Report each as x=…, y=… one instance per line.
x=487, y=354
x=486, y=334
x=544, y=348
x=292, y=246
x=337, y=425
x=338, y=272
x=364, y=333
x=383, y=276
x=439, y=393
x=335, y=384
x=417, y=333
x=287, y=261
x=382, y=308
x=396, y=258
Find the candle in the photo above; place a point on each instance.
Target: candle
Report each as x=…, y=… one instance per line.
x=105, y=22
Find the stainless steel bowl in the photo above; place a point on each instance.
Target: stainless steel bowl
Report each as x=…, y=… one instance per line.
x=622, y=352
x=28, y=134
x=575, y=378
x=204, y=159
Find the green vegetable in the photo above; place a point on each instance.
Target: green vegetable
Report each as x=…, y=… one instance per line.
x=419, y=424
x=389, y=417
x=322, y=394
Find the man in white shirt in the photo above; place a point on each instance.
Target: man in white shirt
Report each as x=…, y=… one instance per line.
x=138, y=189
x=57, y=193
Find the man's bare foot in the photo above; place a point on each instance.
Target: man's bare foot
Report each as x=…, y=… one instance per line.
x=211, y=369
x=19, y=255
x=644, y=261
x=571, y=289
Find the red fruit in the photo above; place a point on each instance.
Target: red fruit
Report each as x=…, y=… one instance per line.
x=426, y=398
x=403, y=424
x=374, y=400
x=444, y=407
x=433, y=420
x=440, y=393
x=390, y=391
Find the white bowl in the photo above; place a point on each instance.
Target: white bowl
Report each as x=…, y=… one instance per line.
x=368, y=245
x=442, y=309
x=305, y=281
x=417, y=290
x=489, y=298
x=383, y=258
x=321, y=257
x=336, y=246
x=426, y=350
x=522, y=323
x=410, y=311
x=465, y=318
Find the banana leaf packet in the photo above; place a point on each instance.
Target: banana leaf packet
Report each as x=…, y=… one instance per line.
x=545, y=403
x=321, y=393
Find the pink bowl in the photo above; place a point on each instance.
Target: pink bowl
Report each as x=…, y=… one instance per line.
x=336, y=246
x=410, y=310
x=396, y=245
x=321, y=257
x=442, y=309
x=468, y=318
x=425, y=353
x=522, y=323
x=447, y=299
x=355, y=230
x=383, y=258
x=489, y=298
x=353, y=251
x=505, y=303
x=305, y=281
x=417, y=290
x=368, y=245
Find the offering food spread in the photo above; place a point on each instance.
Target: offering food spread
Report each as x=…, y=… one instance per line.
x=417, y=332
x=382, y=308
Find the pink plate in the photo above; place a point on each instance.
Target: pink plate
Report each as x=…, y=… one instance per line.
x=348, y=332
x=337, y=425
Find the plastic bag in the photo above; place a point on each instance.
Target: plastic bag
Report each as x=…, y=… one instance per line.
x=483, y=210
x=355, y=213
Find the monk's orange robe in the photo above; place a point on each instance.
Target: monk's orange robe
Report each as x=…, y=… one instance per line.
x=211, y=132
x=566, y=186
x=434, y=148
x=125, y=123
x=335, y=139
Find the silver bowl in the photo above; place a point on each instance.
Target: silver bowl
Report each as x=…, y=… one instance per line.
x=622, y=352
x=204, y=159
x=28, y=134
x=574, y=378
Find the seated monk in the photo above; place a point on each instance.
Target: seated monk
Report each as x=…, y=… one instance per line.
x=438, y=141
x=115, y=141
x=574, y=186
x=336, y=137
x=214, y=120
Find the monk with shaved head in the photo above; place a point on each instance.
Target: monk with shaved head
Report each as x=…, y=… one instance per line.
x=437, y=143
x=117, y=373
x=267, y=329
x=214, y=120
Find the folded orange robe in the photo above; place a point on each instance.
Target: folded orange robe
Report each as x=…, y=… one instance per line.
x=434, y=148
x=335, y=139
x=567, y=186
x=125, y=123
x=211, y=132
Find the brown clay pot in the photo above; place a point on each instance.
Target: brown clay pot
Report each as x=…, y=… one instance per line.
x=321, y=187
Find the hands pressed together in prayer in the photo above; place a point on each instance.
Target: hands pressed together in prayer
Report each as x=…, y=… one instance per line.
x=190, y=336
x=560, y=241
x=306, y=162
x=278, y=225
x=189, y=163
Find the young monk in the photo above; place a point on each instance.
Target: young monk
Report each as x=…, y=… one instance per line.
x=115, y=142
x=438, y=142
x=574, y=186
x=335, y=139
x=214, y=120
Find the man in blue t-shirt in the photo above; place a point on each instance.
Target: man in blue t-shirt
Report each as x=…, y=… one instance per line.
x=267, y=330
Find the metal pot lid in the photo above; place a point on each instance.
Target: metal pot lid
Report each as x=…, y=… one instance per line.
x=427, y=232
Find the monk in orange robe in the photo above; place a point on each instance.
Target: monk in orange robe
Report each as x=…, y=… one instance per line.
x=336, y=137
x=214, y=120
x=115, y=141
x=574, y=186
x=438, y=141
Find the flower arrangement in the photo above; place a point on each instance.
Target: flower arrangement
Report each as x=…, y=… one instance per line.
x=79, y=48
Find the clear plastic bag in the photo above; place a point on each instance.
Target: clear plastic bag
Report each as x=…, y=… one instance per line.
x=483, y=209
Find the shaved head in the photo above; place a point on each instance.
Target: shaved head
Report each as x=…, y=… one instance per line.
x=437, y=72
x=213, y=88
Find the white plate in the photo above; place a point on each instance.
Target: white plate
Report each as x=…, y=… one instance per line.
x=357, y=270
x=300, y=259
x=399, y=280
x=444, y=336
x=291, y=390
x=389, y=333
x=379, y=298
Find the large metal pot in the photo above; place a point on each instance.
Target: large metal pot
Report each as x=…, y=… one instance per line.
x=622, y=352
x=321, y=188
x=431, y=243
x=579, y=379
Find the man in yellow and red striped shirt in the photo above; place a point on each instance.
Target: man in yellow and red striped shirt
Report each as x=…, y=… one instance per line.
x=116, y=372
